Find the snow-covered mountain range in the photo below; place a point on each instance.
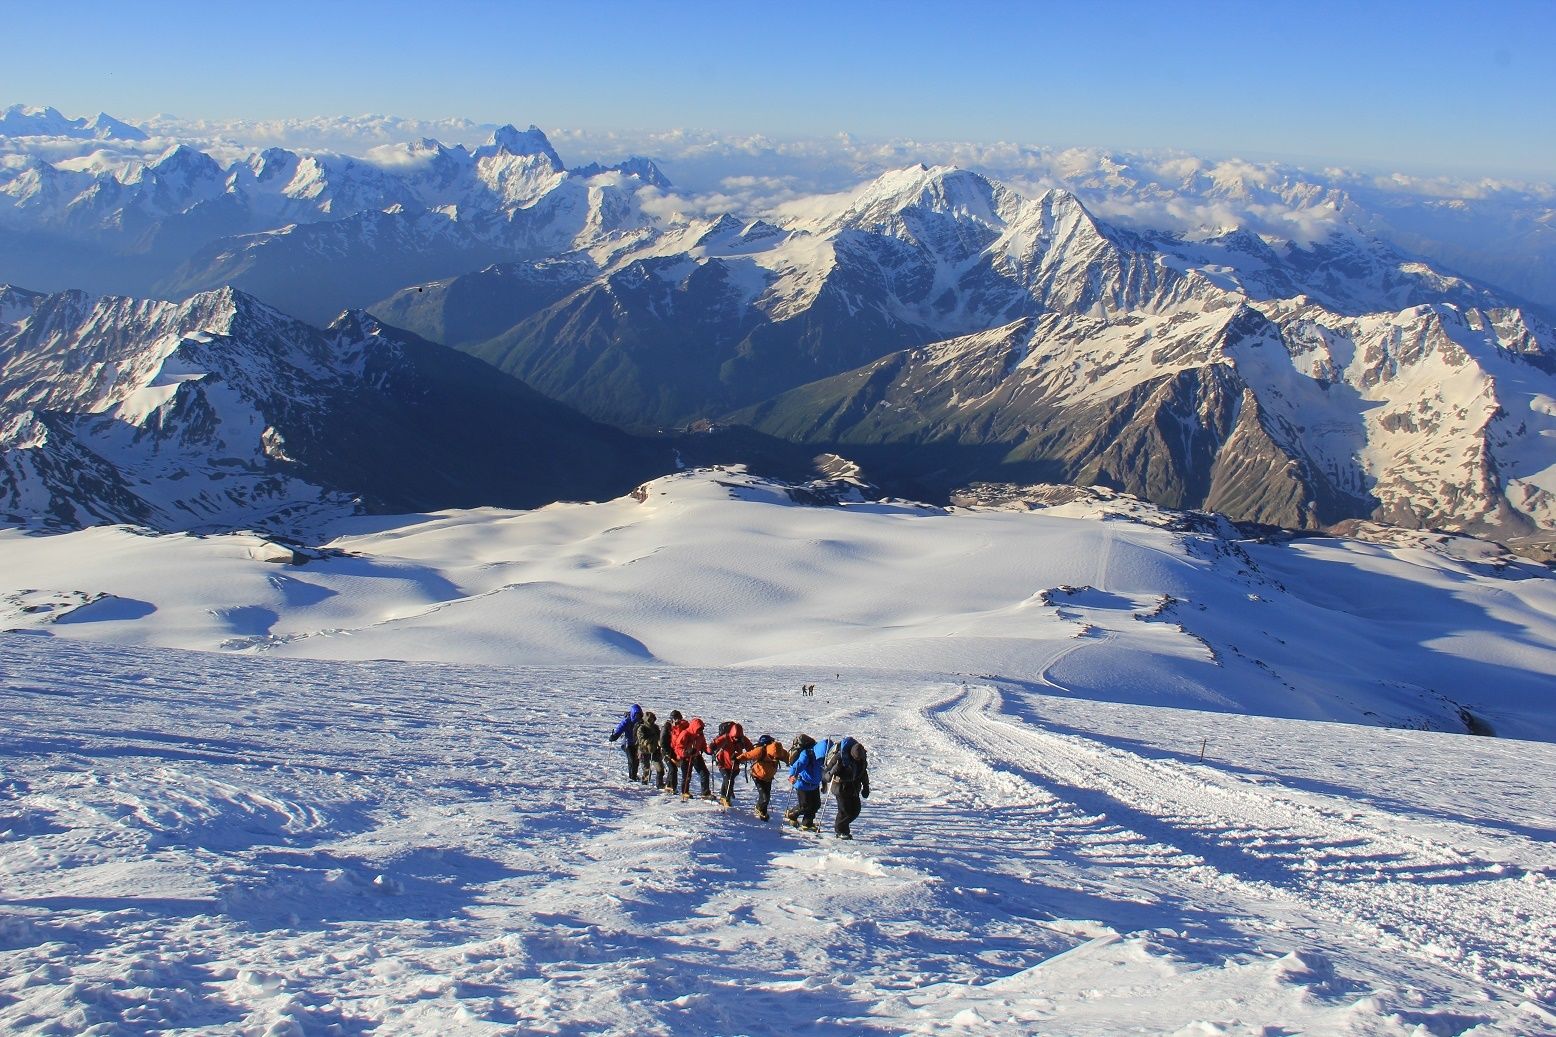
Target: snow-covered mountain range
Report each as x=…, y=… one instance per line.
x=221, y=412
x=937, y=324
x=310, y=233
x=1292, y=385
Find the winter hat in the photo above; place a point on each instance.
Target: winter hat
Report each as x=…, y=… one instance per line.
x=649, y=716
x=675, y=714
x=765, y=740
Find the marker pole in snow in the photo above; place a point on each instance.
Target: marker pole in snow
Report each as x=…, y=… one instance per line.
x=1202, y=743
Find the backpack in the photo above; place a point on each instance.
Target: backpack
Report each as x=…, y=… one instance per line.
x=840, y=764
x=648, y=738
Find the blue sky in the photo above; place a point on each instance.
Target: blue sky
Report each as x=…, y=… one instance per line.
x=1455, y=87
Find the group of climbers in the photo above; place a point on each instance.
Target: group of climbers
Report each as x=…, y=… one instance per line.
x=665, y=756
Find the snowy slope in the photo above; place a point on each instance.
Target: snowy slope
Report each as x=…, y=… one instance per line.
x=1106, y=795
x=717, y=568
x=200, y=844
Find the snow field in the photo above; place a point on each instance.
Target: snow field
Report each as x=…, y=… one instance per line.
x=716, y=568
x=198, y=843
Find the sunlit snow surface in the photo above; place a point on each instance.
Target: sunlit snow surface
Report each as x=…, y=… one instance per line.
x=244, y=843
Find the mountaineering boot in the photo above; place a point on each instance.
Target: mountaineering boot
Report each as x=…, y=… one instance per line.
x=761, y=815
x=808, y=828
x=724, y=802
x=791, y=817
x=844, y=835
x=686, y=797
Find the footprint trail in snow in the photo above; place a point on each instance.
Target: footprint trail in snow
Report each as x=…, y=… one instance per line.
x=194, y=843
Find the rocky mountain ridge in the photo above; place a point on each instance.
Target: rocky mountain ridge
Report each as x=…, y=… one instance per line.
x=221, y=412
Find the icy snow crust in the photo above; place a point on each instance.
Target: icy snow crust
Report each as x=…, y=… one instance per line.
x=236, y=841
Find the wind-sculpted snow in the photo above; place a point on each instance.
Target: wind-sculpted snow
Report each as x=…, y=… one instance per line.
x=716, y=568
x=194, y=843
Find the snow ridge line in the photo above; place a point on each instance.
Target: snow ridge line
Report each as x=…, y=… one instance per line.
x=1407, y=896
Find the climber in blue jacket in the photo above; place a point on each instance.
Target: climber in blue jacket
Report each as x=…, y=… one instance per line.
x=806, y=756
x=629, y=728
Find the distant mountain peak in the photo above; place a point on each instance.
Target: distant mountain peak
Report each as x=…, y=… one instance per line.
x=19, y=120
x=46, y=111
x=730, y=232
x=105, y=127
x=356, y=324
x=644, y=169
x=947, y=190
x=182, y=157
x=510, y=140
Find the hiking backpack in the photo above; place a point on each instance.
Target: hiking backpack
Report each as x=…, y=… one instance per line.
x=840, y=764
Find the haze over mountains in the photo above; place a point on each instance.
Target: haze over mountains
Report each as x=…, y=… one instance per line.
x=938, y=325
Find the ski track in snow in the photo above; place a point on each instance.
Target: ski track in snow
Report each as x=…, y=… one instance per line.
x=1349, y=867
x=195, y=843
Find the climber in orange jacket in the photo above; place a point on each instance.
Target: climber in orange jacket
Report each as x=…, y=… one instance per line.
x=765, y=757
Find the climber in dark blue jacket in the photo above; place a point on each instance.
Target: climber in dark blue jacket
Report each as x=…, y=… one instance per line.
x=629, y=728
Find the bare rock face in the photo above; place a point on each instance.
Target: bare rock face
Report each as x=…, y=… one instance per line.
x=1254, y=478
x=1278, y=412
